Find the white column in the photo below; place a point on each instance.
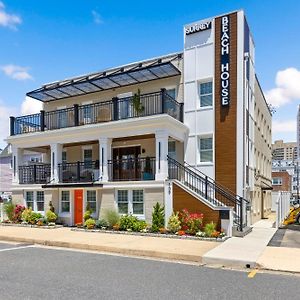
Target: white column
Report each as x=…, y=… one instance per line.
x=56, y=158
x=17, y=160
x=161, y=149
x=104, y=156
x=168, y=194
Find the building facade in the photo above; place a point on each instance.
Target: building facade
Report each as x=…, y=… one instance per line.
x=179, y=129
x=284, y=151
x=281, y=181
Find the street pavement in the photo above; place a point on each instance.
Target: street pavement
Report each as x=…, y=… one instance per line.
x=35, y=272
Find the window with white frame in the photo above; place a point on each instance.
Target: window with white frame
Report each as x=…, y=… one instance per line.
x=172, y=149
x=130, y=202
x=122, y=201
x=87, y=157
x=29, y=199
x=205, y=147
x=40, y=200
x=277, y=181
x=205, y=94
x=91, y=200
x=65, y=202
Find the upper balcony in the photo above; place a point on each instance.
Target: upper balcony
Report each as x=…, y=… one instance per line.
x=105, y=111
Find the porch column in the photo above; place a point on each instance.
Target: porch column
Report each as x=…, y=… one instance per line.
x=161, y=150
x=104, y=156
x=56, y=158
x=17, y=160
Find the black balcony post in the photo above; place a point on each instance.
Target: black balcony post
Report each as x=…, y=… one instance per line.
x=78, y=171
x=115, y=108
x=181, y=112
x=163, y=99
x=42, y=120
x=241, y=214
x=34, y=174
x=76, y=115
x=206, y=187
x=12, y=125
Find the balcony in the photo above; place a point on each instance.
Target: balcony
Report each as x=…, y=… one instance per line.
x=106, y=111
x=34, y=174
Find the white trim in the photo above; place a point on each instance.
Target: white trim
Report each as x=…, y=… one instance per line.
x=96, y=213
x=60, y=213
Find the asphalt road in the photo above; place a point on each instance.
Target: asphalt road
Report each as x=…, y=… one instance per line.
x=286, y=238
x=28, y=272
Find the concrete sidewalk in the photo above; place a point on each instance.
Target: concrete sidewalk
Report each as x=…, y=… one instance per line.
x=174, y=249
x=242, y=252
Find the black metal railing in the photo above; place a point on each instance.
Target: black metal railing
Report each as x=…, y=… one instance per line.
x=35, y=174
x=78, y=172
x=135, y=169
x=210, y=190
x=105, y=111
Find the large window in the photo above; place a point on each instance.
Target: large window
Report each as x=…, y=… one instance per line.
x=40, y=201
x=91, y=200
x=65, y=202
x=130, y=202
x=205, y=146
x=205, y=94
x=87, y=158
x=29, y=200
x=35, y=200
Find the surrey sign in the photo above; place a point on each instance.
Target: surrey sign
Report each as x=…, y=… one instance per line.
x=198, y=27
x=225, y=61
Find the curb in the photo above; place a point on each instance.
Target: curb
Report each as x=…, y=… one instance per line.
x=109, y=249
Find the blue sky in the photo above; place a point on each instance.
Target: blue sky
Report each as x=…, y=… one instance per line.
x=44, y=41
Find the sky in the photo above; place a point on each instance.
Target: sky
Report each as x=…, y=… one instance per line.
x=49, y=40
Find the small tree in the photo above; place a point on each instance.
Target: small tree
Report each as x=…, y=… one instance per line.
x=158, y=217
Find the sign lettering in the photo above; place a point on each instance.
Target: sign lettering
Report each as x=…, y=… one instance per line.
x=198, y=27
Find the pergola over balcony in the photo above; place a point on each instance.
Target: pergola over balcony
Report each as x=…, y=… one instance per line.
x=160, y=68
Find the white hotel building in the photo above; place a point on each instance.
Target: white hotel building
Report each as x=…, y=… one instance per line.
x=190, y=129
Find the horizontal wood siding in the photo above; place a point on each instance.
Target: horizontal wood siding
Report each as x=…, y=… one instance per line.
x=182, y=199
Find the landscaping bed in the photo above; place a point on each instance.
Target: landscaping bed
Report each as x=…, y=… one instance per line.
x=153, y=234
x=31, y=225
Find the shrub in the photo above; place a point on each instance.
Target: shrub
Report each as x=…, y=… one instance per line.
x=112, y=217
x=17, y=217
x=190, y=222
x=209, y=229
x=181, y=232
x=132, y=223
x=87, y=215
x=140, y=225
x=30, y=217
x=35, y=217
x=9, y=210
x=51, y=207
x=158, y=217
x=90, y=223
x=101, y=223
x=174, y=223
x=51, y=217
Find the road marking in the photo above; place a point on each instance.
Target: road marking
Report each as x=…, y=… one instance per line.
x=252, y=274
x=16, y=248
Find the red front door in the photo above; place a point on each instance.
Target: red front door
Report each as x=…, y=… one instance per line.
x=78, y=203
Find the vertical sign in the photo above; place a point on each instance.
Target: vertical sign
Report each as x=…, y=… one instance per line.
x=225, y=61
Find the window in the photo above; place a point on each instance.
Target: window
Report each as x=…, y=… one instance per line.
x=206, y=149
x=87, y=158
x=62, y=118
x=64, y=160
x=29, y=200
x=130, y=202
x=205, y=93
x=122, y=201
x=91, y=200
x=172, y=149
x=65, y=201
x=277, y=181
x=40, y=201
x=138, y=202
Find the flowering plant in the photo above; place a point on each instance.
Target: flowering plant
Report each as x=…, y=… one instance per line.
x=17, y=217
x=181, y=232
x=191, y=222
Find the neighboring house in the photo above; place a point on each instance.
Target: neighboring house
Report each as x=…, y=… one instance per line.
x=281, y=181
x=284, y=151
x=6, y=169
x=179, y=129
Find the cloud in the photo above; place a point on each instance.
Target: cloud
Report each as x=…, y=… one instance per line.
x=289, y=126
x=287, y=88
x=31, y=106
x=97, y=18
x=8, y=20
x=16, y=72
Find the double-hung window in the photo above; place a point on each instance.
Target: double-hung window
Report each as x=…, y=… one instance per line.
x=277, y=181
x=65, y=202
x=91, y=200
x=130, y=202
x=40, y=200
x=29, y=199
x=205, y=147
x=87, y=158
x=205, y=94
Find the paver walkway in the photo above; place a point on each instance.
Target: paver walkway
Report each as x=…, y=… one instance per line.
x=177, y=249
